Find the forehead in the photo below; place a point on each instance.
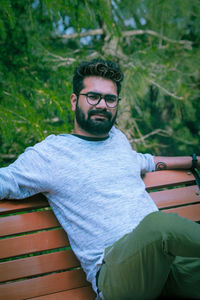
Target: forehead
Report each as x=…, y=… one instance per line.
x=99, y=85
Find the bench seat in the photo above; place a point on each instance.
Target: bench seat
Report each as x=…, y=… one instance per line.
x=36, y=260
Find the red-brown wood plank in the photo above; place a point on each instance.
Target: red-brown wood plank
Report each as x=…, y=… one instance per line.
x=167, y=178
x=191, y=212
x=54, y=286
x=32, y=243
x=177, y=196
x=85, y=293
x=10, y=206
x=44, y=285
x=38, y=265
x=27, y=222
x=152, y=180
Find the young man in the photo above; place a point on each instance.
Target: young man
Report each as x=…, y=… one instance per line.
x=128, y=249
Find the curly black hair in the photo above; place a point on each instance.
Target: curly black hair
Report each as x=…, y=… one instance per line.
x=97, y=67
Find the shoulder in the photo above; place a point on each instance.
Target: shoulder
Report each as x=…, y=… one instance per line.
x=50, y=142
x=53, y=139
x=117, y=132
x=119, y=136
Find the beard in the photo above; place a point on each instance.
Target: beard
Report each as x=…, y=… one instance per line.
x=95, y=126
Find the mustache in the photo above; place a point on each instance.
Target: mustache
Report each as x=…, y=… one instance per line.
x=96, y=112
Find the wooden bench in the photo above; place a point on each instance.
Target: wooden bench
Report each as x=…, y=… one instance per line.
x=36, y=261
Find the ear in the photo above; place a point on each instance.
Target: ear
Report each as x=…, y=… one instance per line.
x=73, y=100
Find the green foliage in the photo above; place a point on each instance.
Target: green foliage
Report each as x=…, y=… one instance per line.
x=34, y=97
x=157, y=44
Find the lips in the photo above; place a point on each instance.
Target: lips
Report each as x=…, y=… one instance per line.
x=100, y=114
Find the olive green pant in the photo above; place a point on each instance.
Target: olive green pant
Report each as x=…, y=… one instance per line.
x=160, y=257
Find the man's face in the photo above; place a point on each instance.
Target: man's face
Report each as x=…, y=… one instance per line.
x=95, y=120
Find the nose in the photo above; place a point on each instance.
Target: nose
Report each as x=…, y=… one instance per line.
x=101, y=104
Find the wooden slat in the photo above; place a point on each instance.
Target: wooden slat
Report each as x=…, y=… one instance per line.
x=27, y=222
x=191, y=212
x=33, y=243
x=167, y=178
x=69, y=284
x=44, y=285
x=175, y=197
x=10, y=206
x=37, y=265
x=152, y=180
x=85, y=293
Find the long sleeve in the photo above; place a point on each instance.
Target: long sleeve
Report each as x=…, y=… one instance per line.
x=146, y=162
x=28, y=175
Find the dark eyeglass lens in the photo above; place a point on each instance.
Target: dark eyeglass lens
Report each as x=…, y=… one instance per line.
x=110, y=99
x=94, y=97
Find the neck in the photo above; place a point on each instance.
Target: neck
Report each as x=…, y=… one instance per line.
x=87, y=134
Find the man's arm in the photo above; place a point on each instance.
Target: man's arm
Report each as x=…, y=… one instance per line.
x=30, y=174
x=175, y=162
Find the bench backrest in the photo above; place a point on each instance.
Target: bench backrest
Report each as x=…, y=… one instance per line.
x=36, y=260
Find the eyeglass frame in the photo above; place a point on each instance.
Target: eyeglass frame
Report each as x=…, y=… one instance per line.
x=101, y=97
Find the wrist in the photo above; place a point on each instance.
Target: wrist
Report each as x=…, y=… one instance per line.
x=194, y=161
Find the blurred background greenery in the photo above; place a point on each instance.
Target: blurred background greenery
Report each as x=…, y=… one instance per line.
x=156, y=42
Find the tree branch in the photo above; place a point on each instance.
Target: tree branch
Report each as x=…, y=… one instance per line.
x=128, y=33
x=82, y=34
x=8, y=156
x=156, y=131
x=58, y=58
x=166, y=91
x=154, y=33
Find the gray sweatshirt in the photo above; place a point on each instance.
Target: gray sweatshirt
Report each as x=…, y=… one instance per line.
x=94, y=188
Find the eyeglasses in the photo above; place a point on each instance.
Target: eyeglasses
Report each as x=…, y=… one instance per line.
x=95, y=98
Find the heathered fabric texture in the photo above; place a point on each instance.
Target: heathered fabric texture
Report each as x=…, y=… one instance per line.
x=93, y=187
